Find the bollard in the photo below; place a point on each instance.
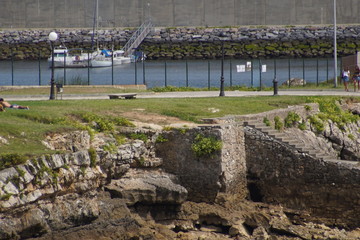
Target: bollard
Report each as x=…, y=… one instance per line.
x=275, y=82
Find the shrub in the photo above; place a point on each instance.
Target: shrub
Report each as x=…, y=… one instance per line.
x=352, y=137
x=139, y=136
x=267, y=121
x=278, y=124
x=161, y=139
x=316, y=122
x=291, y=119
x=205, y=146
x=307, y=107
x=302, y=126
x=11, y=159
x=92, y=155
x=120, y=121
x=110, y=147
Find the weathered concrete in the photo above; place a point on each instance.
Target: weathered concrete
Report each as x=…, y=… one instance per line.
x=125, y=13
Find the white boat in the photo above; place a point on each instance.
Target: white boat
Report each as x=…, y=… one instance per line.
x=64, y=57
x=107, y=58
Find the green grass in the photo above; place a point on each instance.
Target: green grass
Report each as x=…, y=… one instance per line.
x=25, y=129
x=68, y=89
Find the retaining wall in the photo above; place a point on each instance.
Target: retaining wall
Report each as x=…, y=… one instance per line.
x=278, y=173
x=206, y=176
x=125, y=13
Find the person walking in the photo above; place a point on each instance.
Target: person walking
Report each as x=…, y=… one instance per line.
x=345, y=78
x=356, y=78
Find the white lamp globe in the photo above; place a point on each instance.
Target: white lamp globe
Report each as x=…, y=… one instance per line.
x=53, y=36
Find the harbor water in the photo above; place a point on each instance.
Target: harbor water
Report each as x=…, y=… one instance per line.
x=179, y=73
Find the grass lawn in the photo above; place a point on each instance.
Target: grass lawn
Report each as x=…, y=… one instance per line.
x=25, y=129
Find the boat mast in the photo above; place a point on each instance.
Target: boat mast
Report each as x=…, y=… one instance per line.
x=95, y=24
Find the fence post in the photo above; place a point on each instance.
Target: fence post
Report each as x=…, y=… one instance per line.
x=165, y=74
x=187, y=74
x=39, y=61
x=252, y=73
x=303, y=71
x=289, y=71
x=144, y=81
x=317, y=71
x=64, y=69
x=327, y=70
x=12, y=67
x=112, y=65
x=88, y=67
x=260, y=68
x=274, y=68
x=230, y=73
x=135, y=73
x=209, y=75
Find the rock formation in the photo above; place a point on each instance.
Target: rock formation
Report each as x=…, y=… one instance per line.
x=260, y=185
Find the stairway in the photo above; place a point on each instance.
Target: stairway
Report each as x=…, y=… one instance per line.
x=293, y=142
x=138, y=36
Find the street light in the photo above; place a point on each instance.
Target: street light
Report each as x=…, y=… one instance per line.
x=52, y=37
x=335, y=47
x=222, y=35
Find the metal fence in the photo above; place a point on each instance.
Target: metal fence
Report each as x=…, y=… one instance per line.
x=179, y=73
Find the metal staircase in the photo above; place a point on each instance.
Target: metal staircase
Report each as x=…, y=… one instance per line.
x=137, y=38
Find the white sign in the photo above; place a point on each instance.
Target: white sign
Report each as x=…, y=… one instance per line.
x=248, y=66
x=263, y=68
x=240, y=68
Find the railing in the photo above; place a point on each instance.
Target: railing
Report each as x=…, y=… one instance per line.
x=137, y=37
x=180, y=73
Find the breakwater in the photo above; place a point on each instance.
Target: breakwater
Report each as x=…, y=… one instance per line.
x=193, y=43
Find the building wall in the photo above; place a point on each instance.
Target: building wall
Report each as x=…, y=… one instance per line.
x=131, y=13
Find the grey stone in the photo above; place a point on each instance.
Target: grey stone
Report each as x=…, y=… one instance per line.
x=150, y=187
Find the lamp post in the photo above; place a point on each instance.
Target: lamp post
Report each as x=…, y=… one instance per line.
x=52, y=37
x=222, y=92
x=335, y=47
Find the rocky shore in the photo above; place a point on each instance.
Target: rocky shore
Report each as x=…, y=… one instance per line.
x=157, y=187
x=193, y=42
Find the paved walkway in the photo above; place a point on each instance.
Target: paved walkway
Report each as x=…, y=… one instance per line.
x=187, y=94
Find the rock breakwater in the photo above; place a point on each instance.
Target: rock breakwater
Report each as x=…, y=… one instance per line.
x=194, y=42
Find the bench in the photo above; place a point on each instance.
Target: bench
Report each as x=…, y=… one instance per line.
x=124, y=95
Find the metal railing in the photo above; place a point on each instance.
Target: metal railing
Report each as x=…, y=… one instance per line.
x=137, y=37
x=184, y=73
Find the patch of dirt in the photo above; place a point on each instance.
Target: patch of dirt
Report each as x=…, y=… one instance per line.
x=141, y=118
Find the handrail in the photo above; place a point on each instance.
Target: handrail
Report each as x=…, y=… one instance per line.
x=137, y=37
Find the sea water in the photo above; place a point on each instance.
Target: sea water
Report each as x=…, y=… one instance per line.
x=179, y=73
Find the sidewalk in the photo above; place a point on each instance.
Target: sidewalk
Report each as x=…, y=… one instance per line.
x=186, y=94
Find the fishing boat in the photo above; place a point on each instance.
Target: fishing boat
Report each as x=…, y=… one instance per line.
x=70, y=58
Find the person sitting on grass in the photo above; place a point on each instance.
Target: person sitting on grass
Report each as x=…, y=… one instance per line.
x=5, y=104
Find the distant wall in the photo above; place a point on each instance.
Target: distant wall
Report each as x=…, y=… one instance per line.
x=131, y=13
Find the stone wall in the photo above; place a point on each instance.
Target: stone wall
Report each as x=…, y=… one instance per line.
x=194, y=43
x=327, y=188
x=206, y=176
x=280, y=174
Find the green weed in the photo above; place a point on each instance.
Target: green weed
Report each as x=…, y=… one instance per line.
x=205, y=146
